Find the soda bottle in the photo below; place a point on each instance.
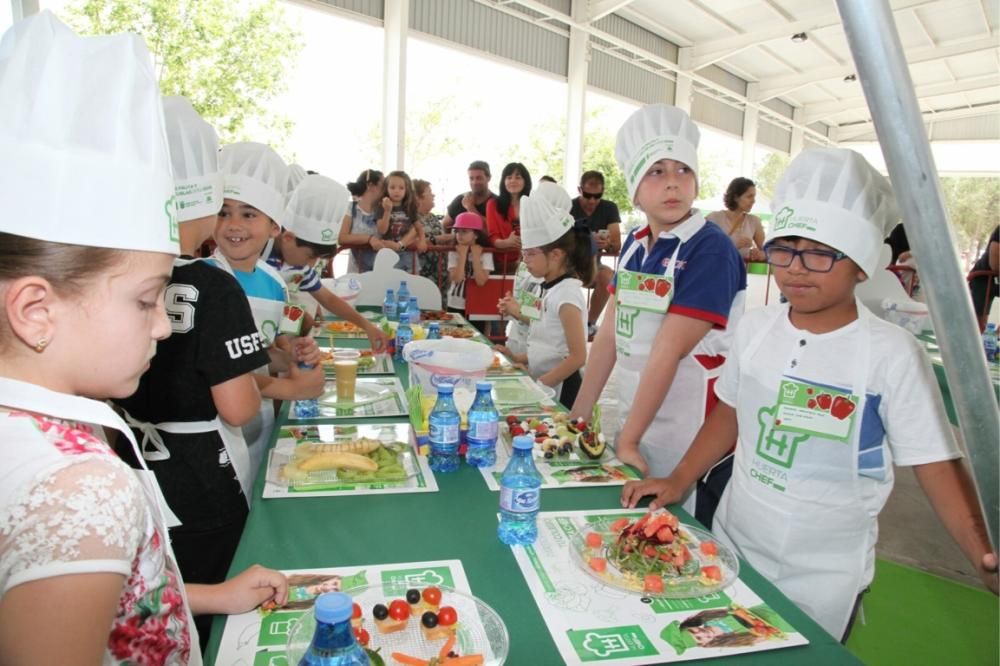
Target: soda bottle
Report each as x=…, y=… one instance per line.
x=520, y=495
x=990, y=342
x=434, y=331
x=334, y=644
x=389, y=305
x=414, y=310
x=444, y=422
x=404, y=334
x=402, y=297
x=483, y=424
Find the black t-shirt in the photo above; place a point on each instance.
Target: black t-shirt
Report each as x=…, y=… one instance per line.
x=455, y=208
x=213, y=340
x=898, y=242
x=604, y=215
x=983, y=264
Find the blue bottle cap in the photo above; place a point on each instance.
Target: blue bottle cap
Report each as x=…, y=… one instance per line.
x=333, y=607
x=524, y=442
x=447, y=389
x=388, y=291
x=413, y=299
x=404, y=317
x=484, y=386
x=434, y=324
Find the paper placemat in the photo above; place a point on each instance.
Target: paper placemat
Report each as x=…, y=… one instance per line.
x=590, y=622
x=393, y=403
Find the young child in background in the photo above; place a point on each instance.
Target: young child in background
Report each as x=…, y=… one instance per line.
x=824, y=398
x=199, y=388
x=558, y=253
x=397, y=213
x=467, y=261
x=250, y=216
x=312, y=222
x=678, y=289
x=83, y=542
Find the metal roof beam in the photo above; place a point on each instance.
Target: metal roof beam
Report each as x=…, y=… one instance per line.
x=854, y=130
x=598, y=9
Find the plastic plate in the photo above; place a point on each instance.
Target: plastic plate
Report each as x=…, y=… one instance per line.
x=674, y=587
x=480, y=630
x=318, y=480
x=364, y=393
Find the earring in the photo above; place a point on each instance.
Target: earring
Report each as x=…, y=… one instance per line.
x=41, y=345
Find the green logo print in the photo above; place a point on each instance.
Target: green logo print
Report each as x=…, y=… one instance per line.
x=170, y=209
x=271, y=659
x=400, y=580
x=774, y=445
x=327, y=235
x=625, y=321
x=781, y=218
x=611, y=643
x=275, y=628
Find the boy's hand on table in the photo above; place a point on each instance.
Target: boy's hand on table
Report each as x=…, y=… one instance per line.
x=628, y=453
x=663, y=490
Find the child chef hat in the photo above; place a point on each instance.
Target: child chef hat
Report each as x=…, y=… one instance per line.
x=194, y=154
x=651, y=134
x=545, y=215
x=81, y=129
x=316, y=209
x=833, y=196
x=255, y=175
x=295, y=175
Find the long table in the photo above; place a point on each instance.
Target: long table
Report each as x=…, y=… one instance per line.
x=929, y=341
x=459, y=522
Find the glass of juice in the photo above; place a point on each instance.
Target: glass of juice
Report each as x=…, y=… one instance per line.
x=345, y=367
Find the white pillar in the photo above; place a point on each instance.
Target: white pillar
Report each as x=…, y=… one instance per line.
x=750, y=118
x=396, y=23
x=576, y=98
x=798, y=135
x=23, y=8
x=684, y=88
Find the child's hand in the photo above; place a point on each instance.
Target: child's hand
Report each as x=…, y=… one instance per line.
x=477, y=251
x=665, y=493
x=306, y=351
x=251, y=588
x=386, y=204
x=504, y=350
x=514, y=242
x=377, y=337
x=469, y=202
x=628, y=452
x=988, y=572
x=462, y=250
x=309, y=383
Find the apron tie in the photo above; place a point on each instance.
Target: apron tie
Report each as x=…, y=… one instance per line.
x=150, y=436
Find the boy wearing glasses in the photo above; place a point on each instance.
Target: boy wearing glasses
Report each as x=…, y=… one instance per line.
x=825, y=398
x=604, y=220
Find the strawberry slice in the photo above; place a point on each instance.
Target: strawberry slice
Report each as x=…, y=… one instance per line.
x=653, y=584
x=598, y=564
x=712, y=572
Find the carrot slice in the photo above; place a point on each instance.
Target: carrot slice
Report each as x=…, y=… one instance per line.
x=407, y=660
x=448, y=645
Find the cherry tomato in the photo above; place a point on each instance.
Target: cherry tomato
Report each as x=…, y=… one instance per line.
x=594, y=540
x=399, y=610
x=362, y=635
x=432, y=595
x=598, y=564
x=447, y=616
x=708, y=548
x=356, y=611
x=653, y=583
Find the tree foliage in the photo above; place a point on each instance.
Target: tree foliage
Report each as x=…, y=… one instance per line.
x=768, y=172
x=231, y=59
x=973, y=206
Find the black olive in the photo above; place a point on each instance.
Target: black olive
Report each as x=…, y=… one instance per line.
x=549, y=455
x=413, y=596
x=429, y=619
x=380, y=612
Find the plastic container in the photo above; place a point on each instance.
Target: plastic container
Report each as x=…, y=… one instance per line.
x=404, y=335
x=458, y=363
x=444, y=423
x=484, y=423
x=414, y=310
x=389, y=306
x=990, y=342
x=402, y=298
x=333, y=642
x=520, y=496
x=434, y=331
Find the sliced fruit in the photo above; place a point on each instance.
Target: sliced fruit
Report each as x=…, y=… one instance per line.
x=708, y=548
x=594, y=540
x=712, y=571
x=665, y=534
x=652, y=583
x=598, y=564
x=619, y=524
x=592, y=446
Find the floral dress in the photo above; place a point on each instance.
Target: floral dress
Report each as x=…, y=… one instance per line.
x=429, y=261
x=68, y=504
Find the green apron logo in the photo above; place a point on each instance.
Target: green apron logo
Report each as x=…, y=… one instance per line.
x=170, y=209
x=777, y=446
x=625, y=321
x=781, y=218
x=611, y=643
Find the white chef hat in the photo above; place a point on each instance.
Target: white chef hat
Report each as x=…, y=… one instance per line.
x=194, y=154
x=835, y=197
x=316, y=209
x=255, y=175
x=295, y=175
x=545, y=215
x=651, y=134
x=83, y=152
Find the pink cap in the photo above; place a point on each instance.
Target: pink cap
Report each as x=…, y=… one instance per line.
x=469, y=220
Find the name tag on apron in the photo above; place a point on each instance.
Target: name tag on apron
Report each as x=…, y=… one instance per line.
x=531, y=305
x=815, y=410
x=644, y=291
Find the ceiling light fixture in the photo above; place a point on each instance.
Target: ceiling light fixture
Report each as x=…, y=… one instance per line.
x=800, y=37
x=850, y=77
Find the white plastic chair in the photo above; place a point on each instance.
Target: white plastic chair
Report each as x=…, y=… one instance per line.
x=385, y=275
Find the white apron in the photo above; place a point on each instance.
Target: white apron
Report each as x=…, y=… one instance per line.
x=267, y=317
x=682, y=412
x=32, y=398
x=547, y=345
x=794, y=508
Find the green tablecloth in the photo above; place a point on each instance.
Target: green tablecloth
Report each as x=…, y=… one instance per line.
x=460, y=522
x=931, y=346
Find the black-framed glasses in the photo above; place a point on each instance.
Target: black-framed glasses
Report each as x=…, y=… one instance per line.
x=817, y=261
x=592, y=195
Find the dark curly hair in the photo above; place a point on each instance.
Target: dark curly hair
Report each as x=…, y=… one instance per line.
x=737, y=188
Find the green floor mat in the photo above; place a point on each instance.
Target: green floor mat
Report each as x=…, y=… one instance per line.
x=913, y=617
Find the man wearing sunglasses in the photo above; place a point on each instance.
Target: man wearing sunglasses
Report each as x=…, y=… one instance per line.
x=604, y=221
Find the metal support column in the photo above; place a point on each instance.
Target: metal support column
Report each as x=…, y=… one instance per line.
x=396, y=24
x=684, y=85
x=751, y=116
x=885, y=78
x=576, y=97
x=23, y=8
x=798, y=136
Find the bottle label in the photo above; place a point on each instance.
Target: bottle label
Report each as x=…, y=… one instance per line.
x=444, y=433
x=520, y=500
x=483, y=430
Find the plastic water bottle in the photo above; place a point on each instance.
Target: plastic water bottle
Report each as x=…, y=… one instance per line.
x=520, y=496
x=404, y=334
x=434, y=331
x=334, y=644
x=444, y=423
x=402, y=298
x=389, y=305
x=990, y=342
x=483, y=423
x=414, y=310
x=309, y=408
